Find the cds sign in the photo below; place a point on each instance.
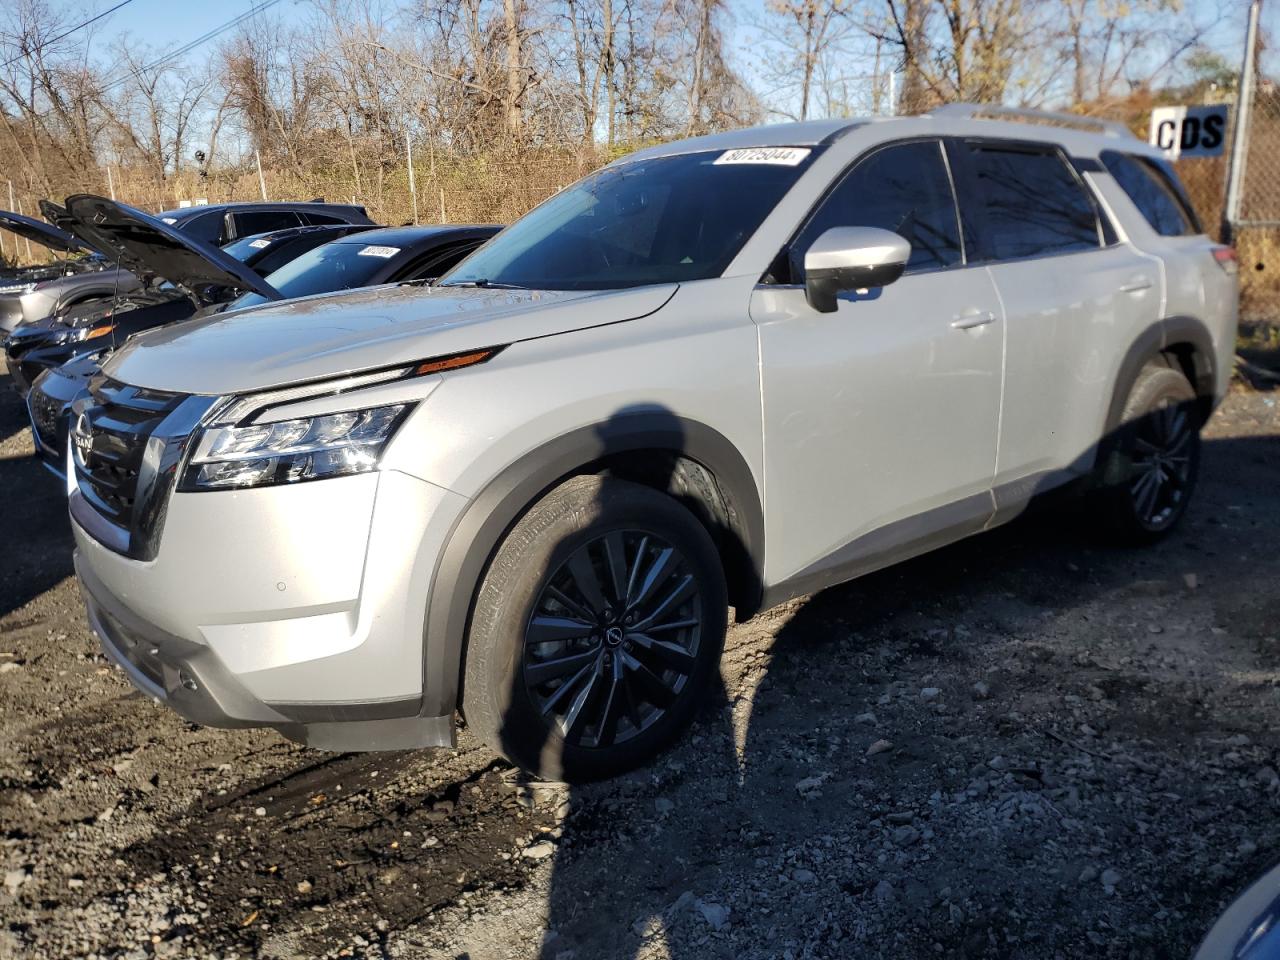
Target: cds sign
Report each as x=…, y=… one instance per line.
x=1190, y=131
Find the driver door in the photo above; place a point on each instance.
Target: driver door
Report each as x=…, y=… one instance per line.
x=880, y=419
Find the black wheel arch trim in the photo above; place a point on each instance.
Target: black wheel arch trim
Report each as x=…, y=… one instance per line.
x=492, y=513
x=1159, y=338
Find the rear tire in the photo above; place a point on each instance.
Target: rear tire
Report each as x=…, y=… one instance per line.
x=596, y=631
x=1153, y=459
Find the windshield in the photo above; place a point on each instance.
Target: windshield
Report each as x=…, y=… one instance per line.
x=330, y=267
x=246, y=247
x=667, y=220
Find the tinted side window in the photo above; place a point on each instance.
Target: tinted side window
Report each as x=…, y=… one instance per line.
x=439, y=263
x=290, y=249
x=1035, y=205
x=322, y=219
x=903, y=188
x=260, y=221
x=206, y=227
x=1151, y=193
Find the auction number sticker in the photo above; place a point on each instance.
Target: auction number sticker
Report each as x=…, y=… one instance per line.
x=376, y=251
x=259, y=244
x=776, y=156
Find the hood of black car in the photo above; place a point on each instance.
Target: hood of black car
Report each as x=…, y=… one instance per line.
x=40, y=232
x=151, y=249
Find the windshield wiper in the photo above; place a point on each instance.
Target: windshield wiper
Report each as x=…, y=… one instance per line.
x=484, y=284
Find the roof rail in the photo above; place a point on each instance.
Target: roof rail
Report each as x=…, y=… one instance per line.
x=991, y=111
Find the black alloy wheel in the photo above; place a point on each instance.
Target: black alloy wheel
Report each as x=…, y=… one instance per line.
x=1161, y=463
x=613, y=639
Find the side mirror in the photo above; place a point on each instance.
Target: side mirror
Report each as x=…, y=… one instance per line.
x=851, y=258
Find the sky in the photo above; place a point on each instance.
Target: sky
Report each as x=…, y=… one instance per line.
x=163, y=25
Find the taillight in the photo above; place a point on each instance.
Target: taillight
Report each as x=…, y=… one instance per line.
x=1227, y=260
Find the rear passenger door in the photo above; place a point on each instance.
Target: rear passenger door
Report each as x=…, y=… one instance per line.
x=1073, y=299
x=1173, y=233
x=880, y=418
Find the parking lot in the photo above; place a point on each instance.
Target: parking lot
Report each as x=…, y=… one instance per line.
x=1026, y=745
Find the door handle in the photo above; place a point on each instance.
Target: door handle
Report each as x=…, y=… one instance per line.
x=1136, y=286
x=972, y=318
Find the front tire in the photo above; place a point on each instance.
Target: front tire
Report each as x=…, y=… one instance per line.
x=1153, y=463
x=596, y=632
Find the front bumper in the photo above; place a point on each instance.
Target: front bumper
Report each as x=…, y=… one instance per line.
x=295, y=607
x=189, y=678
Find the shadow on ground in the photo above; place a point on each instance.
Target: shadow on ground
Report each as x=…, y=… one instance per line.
x=787, y=828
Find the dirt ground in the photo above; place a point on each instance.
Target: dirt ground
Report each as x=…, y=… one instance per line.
x=1023, y=746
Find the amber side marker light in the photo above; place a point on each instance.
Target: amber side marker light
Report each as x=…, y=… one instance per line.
x=456, y=361
x=99, y=331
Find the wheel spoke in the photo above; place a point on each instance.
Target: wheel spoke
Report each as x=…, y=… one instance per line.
x=632, y=708
x=585, y=579
x=1179, y=443
x=659, y=569
x=540, y=671
x=649, y=684
x=615, y=558
x=610, y=712
x=671, y=625
x=573, y=716
x=667, y=653
x=579, y=611
x=1144, y=478
x=561, y=694
x=1146, y=503
x=683, y=589
x=1173, y=476
x=634, y=576
x=546, y=629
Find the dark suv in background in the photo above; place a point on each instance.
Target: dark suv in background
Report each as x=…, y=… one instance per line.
x=221, y=223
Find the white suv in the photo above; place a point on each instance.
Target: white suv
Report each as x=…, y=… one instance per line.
x=724, y=371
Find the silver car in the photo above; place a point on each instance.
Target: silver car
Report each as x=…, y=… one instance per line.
x=35, y=292
x=719, y=372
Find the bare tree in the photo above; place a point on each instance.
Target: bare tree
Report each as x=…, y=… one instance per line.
x=808, y=31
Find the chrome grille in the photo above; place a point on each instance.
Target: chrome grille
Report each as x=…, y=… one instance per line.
x=44, y=418
x=109, y=435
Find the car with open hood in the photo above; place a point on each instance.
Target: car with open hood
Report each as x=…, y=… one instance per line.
x=176, y=275
x=723, y=371
x=20, y=281
x=217, y=224
x=351, y=256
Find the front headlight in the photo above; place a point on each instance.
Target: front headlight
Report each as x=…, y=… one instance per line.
x=17, y=287
x=291, y=451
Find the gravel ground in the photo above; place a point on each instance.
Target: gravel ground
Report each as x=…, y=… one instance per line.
x=1022, y=746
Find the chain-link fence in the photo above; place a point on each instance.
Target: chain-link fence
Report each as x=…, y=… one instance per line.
x=1255, y=216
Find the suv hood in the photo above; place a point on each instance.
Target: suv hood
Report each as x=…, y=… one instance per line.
x=41, y=233
x=332, y=335
x=152, y=250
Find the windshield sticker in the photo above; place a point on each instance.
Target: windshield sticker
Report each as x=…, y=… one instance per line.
x=776, y=156
x=376, y=251
x=259, y=244
x=168, y=219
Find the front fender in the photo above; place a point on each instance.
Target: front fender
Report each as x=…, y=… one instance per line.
x=493, y=512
